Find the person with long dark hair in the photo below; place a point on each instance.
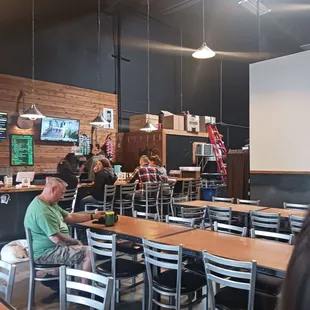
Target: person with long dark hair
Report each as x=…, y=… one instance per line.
x=295, y=294
x=66, y=168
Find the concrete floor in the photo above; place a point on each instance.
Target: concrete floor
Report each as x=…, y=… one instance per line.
x=130, y=301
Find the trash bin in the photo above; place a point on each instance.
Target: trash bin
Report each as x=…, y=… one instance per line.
x=206, y=193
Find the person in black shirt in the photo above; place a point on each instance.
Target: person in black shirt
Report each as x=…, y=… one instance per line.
x=65, y=171
x=104, y=175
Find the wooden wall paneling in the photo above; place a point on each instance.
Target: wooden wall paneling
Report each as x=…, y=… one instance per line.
x=53, y=100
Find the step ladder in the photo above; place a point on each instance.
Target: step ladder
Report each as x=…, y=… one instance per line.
x=219, y=148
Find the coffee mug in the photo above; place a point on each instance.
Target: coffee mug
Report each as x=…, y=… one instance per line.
x=109, y=219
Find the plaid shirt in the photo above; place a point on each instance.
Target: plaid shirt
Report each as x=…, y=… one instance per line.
x=147, y=174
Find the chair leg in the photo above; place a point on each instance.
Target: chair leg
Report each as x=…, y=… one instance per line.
x=144, y=292
x=135, y=259
x=31, y=292
x=190, y=300
x=117, y=292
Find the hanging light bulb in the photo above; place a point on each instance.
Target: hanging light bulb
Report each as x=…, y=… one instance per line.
x=204, y=51
x=148, y=127
x=32, y=113
x=99, y=121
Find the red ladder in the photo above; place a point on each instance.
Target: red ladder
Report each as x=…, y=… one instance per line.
x=219, y=148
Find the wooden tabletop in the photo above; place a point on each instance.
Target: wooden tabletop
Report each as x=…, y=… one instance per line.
x=286, y=212
x=139, y=228
x=5, y=306
x=268, y=254
x=240, y=208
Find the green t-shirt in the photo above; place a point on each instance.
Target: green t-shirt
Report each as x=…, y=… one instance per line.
x=44, y=221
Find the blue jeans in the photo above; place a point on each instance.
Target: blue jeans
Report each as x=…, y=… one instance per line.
x=87, y=199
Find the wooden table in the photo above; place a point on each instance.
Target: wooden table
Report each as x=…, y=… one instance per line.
x=270, y=255
x=5, y=306
x=135, y=229
x=240, y=208
x=286, y=212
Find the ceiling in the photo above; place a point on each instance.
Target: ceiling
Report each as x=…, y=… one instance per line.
x=229, y=26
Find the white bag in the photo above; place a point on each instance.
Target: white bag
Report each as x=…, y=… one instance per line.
x=15, y=252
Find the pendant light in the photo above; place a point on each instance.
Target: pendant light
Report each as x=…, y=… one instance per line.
x=32, y=113
x=99, y=120
x=148, y=127
x=204, y=51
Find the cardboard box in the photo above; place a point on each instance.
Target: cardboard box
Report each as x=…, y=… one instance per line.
x=175, y=122
x=206, y=120
x=136, y=122
x=191, y=123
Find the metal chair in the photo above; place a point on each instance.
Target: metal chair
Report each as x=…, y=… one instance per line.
x=296, y=223
x=220, y=215
x=268, y=221
x=230, y=229
x=296, y=206
x=166, y=198
x=220, y=199
x=197, y=214
x=185, y=194
x=34, y=267
x=149, y=200
x=172, y=282
x=69, y=200
x=271, y=235
x=238, y=292
x=108, y=200
x=103, y=289
x=7, y=275
x=127, y=197
x=194, y=191
x=248, y=202
x=118, y=268
x=152, y=216
x=179, y=220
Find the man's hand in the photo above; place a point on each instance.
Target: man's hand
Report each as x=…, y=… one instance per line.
x=98, y=215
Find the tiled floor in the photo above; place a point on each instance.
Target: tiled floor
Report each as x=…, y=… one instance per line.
x=130, y=301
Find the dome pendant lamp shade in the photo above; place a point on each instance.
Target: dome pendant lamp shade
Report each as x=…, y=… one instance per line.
x=99, y=121
x=148, y=127
x=203, y=52
x=32, y=113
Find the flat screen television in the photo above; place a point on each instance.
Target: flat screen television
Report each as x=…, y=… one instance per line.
x=59, y=129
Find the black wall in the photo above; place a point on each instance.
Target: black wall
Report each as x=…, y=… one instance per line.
x=66, y=53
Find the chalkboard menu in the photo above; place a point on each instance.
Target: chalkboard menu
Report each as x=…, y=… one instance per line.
x=3, y=125
x=21, y=150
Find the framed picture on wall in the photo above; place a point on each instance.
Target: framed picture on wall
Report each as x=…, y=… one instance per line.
x=108, y=116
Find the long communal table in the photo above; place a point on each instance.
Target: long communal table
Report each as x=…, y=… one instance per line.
x=285, y=213
x=272, y=257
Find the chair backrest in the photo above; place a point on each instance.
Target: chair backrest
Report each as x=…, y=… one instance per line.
x=195, y=189
x=296, y=223
x=151, y=191
x=266, y=221
x=109, y=196
x=70, y=197
x=272, y=235
x=221, y=199
x=166, y=191
x=248, y=202
x=220, y=215
x=180, y=220
x=69, y=289
x=7, y=277
x=104, y=245
x=126, y=189
x=220, y=270
x=166, y=257
x=140, y=214
x=186, y=188
x=30, y=248
x=127, y=197
x=230, y=229
x=296, y=206
x=198, y=214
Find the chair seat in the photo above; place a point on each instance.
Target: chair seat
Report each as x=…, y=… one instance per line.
x=124, y=201
x=268, y=284
x=235, y=299
x=125, y=268
x=129, y=247
x=47, y=265
x=197, y=267
x=190, y=282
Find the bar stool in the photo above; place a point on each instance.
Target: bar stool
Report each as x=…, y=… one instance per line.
x=108, y=200
x=195, y=190
x=69, y=200
x=166, y=198
x=185, y=193
x=127, y=197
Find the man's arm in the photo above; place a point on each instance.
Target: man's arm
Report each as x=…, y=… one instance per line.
x=135, y=176
x=80, y=218
x=62, y=239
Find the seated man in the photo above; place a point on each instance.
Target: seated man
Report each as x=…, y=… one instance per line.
x=46, y=220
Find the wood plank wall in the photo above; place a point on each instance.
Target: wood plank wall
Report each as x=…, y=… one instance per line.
x=53, y=100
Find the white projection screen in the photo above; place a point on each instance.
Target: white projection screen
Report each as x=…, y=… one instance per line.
x=280, y=115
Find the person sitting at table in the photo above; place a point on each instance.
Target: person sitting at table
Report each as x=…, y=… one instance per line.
x=295, y=293
x=104, y=175
x=65, y=171
x=47, y=223
x=155, y=161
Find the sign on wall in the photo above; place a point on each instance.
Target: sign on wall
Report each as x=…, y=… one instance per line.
x=108, y=116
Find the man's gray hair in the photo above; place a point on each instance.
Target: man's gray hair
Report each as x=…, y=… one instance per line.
x=53, y=180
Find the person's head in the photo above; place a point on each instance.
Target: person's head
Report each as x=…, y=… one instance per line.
x=105, y=163
x=144, y=160
x=64, y=167
x=72, y=160
x=296, y=286
x=155, y=161
x=54, y=190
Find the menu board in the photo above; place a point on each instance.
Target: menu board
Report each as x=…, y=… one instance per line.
x=3, y=125
x=21, y=150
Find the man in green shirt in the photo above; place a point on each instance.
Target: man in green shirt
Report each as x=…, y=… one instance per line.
x=46, y=220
